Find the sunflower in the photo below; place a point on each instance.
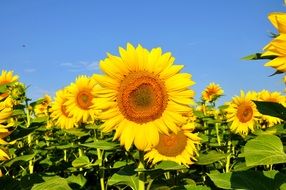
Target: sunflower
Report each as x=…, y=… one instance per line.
x=80, y=98
x=60, y=113
x=278, y=19
x=277, y=48
x=212, y=92
x=41, y=109
x=242, y=113
x=179, y=147
x=267, y=96
x=142, y=93
x=7, y=77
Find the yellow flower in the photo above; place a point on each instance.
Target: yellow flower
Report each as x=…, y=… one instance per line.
x=60, y=113
x=41, y=109
x=142, y=93
x=277, y=48
x=212, y=92
x=269, y=121
x=242, y=113
x=80, y=98
x=278, y=19
x=179, y=147
x=5, y=78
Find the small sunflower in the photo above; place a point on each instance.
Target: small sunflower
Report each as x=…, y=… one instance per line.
x=271, y=97
x=80, y=98
x=278, y=19
x=5, y=78
x=60, y=114
x=212, y=92
x=180, y=147
x=41, y=109
x=142, y=93
x=277, y=48
x=242, y=113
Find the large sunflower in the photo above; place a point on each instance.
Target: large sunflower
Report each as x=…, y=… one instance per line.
x=264, y=95
x=5, y=78
x=212, y=92
x=80, y=98
x=278, y=19
x=59, y=111
x=277, y=48
x=242, y=113
x=142, y=93
x=180, y=147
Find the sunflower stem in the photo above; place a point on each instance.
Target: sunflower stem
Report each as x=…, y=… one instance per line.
x=30, y=138
x=217, y=133
x=227, y=165
x=101, y=171
x=65, y=155
x=141, y=174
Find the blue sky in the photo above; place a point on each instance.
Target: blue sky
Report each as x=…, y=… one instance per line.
x=48, y=43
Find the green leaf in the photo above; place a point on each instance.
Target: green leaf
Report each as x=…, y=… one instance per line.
x=79, y=179
x=126, y=176
x=77, y=132
x=267, y=180
x=264, y=150
x=81, y=162
x=271, y=108
x=21, y=158
x=21, y=132
x=257, y=56
x=210, y=157
x=62, y=147
x=52, y=183
x=39, y=101
x=169, y=165
x=39, y=120
x=18, y=112
x=101, y=144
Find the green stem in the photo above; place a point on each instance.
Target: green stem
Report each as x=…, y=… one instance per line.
x=30, y=138
x=65, y=155
x=227, y=165
x=101, y=171
x=217, y=133
x=141, y=175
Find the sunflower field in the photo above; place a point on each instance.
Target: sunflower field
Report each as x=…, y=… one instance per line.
x=137, y=126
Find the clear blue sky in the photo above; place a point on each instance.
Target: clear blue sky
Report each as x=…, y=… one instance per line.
x=48, y=43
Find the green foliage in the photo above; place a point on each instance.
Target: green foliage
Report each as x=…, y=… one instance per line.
x=264, y=150
x=266, y=180
x=271, y=108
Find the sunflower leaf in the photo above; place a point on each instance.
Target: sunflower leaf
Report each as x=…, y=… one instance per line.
x=210, y=157
x=257, y=56
x=266, y=180
x=126, y=176
x=271, y=108
x=264, y=150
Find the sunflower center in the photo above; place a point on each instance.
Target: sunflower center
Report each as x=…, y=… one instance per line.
x=142, y=97
x=84, y=99
x=172, y=145
x=244, y=113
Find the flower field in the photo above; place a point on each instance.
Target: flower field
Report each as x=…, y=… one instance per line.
x=137, y=126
